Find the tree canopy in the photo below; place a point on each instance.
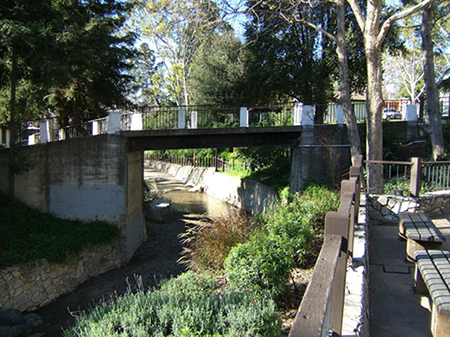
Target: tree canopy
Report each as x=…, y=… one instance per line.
x=72, y=58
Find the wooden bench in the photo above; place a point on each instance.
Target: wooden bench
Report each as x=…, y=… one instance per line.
x=432, y=276
x=420, y=233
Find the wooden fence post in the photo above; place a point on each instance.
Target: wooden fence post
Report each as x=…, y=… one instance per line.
x=338, y=224
x=415, y=177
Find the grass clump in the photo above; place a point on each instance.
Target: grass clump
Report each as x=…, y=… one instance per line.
x=207, y=243
x=265, y=261
x=189, y=305
x=27, y=234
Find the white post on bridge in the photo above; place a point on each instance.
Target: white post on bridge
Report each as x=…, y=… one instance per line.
x=181, y=118
x=44, y=135
x=297, y=113
x=307, y=115
x=243, y=117
x=194, y=119
x=114, y=122
x=95, y=128
x=411, y=113
x=136, y=122
x=339, y=115
x=8, y=138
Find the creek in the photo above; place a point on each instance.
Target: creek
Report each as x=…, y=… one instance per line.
x=184, y=199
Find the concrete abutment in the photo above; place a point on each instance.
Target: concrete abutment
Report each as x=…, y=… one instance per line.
x=92, y=178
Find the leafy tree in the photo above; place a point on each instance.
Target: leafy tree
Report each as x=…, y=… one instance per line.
x=218, y=71
x=405, y=70
x=23, y=27
x=291, y=59
x=176, y=29
x=71, y=59
x=369, y=18
x=147, y=85
x=86, y=70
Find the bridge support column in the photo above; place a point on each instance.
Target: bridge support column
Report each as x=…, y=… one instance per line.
x=302, y=159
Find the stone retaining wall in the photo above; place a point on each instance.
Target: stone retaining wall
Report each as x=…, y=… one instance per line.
x=246, y=194
x=384, y=209
x=29, y=286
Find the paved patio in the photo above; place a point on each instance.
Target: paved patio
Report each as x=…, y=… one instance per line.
x=395, y=309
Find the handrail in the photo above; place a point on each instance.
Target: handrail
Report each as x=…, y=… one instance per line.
x=321, y=310
x=314, y=315
x=421, y=171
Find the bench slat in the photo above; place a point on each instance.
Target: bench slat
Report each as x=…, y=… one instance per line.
x=434, y=266
x=419, y=227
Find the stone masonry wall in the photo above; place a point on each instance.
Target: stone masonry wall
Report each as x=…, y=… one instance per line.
x=384, y=209
x=29, y=286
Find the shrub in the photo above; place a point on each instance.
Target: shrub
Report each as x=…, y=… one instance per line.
x=207, y=244
x=189, y=305
x=264, y=262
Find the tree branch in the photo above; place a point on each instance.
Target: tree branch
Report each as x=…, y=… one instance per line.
x=401, y=15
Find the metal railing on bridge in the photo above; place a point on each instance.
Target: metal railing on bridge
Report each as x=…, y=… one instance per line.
x=169, y=118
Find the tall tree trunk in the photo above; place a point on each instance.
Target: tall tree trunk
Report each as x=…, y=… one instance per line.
x=437, y=138
x=374, y=100
x=345, y=100
x=13, y=121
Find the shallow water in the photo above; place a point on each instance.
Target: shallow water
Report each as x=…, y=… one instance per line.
x=183, y=199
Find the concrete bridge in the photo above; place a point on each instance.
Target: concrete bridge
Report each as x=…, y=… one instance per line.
x=101, y=177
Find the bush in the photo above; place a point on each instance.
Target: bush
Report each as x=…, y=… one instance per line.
x=264, y=262
x=189, y=305
x=207, y=244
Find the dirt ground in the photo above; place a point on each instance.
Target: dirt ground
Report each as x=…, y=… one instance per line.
x=154, y=260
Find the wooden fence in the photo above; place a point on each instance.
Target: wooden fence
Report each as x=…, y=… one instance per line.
x=321, y=309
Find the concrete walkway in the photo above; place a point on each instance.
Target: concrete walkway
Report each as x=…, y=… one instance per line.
x=395, y=309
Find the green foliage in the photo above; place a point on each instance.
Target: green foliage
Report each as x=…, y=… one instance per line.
x=263, y=263
x=218, y=71
x=71, y=59
x=189, y=305
x=28, y=235
x=446, y=134
x=207, y=244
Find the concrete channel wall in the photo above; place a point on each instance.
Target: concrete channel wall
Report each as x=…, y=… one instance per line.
x=246, y=194
x=91, y=178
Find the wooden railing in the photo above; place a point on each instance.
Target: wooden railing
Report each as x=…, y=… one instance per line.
x=321, y=309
